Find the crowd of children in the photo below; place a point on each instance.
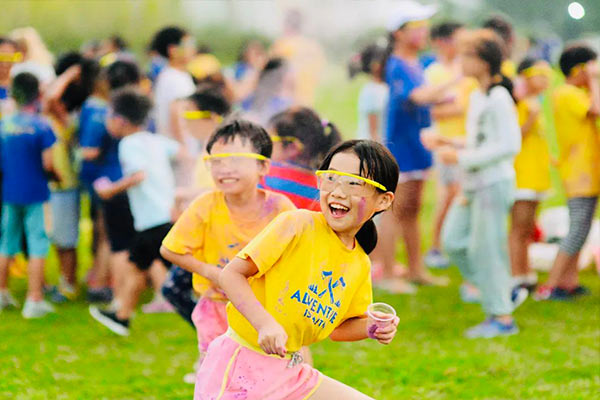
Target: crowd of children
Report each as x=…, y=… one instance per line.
x=249, y=216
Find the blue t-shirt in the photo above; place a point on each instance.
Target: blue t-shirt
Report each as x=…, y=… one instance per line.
x=405, y=119
x=23, y=138
x=93, y=133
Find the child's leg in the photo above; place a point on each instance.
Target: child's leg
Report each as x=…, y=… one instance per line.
x=456, y=234
x=158, y=274
x=447, y=194
x=10, y=240
x=119, y=265
x=407, y=206
x=488, y=248
x=133, y=285
x=38, y=244
x=332, y=389
x=387, y=243
x=523, y=224
x=564, y=270
x=65, y=231
x=177, y=289
x=68, y=264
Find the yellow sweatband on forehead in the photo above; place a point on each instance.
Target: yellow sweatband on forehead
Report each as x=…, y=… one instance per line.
x=577, y=69
x=200, y=114
x=225, y=155
x=537, y=69
x=417, y=24
x=290, y=139
x=362, y=178
x=11, y=57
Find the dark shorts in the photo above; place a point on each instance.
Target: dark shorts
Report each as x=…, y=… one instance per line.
x=145, y=246
x=119, y=222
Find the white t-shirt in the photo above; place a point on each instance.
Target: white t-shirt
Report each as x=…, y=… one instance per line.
x=373, y=99
x=152, y=200
x=171, y=84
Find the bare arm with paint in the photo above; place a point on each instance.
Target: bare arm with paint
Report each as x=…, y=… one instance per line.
x=354, y=329
x=234, y=282
x=192, y=264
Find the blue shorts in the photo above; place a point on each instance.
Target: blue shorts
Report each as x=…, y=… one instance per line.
x=65, y=218
x=29, y=218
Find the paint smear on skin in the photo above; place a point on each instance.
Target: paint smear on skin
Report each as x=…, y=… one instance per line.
x=372, y=329
x=361, y=209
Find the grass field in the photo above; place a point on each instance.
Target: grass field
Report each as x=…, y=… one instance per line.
x=556, y=356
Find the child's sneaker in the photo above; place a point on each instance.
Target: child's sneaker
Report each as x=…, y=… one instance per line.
x=543, y=293
x=109, y=319
x=100, y=295
x=435, y=259
x=518, y=296
x=7, y=300
x=158, y=306
x=469, y=294
x=36, y=309
x=491, y=328
x=579, y=291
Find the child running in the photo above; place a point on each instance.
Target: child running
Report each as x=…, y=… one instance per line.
x=475, y=231
x=576, y=106
x=304, y=278
x=218, y=224
x=532, y=167
x=150, y=185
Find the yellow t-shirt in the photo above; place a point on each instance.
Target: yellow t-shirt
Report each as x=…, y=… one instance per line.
x=578, y=142
x=208, y=231
x=439, y=74
x=307, y=279
x=532, y=164
x=508, y=69
x=63, y=155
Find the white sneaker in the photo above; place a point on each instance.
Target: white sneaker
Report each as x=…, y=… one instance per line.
x=36, y=309
x=7, y=300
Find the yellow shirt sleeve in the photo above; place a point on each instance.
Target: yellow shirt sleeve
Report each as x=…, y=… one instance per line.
x=187, y=235
x=268, y=246
x=578, y=102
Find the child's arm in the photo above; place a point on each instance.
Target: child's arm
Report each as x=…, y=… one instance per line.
x=593, y=73
x=107, y=190
x=532, y=116
x=355, y=329
x=56, y=89
x=47, y=159
x=234, y=281
x=192, y=264
x=374, y=127
x=431, y=94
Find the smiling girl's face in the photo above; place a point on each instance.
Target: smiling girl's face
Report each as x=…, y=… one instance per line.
x=347, y=203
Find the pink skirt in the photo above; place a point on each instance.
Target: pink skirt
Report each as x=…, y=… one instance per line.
x=210, y=319
x=231, y=371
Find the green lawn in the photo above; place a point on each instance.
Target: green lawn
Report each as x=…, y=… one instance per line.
x=556, y=356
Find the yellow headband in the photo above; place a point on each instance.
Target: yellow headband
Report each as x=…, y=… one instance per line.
x=200, y=114
x=11, y=57
x=424, y=23
x=369, y=181
x=577, y=69
x=225, y=155
x=291, y=139
x=537, y=69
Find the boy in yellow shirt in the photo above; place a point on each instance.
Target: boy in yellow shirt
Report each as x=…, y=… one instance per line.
x=532, y=167
x=576, y=109
x=219, y=223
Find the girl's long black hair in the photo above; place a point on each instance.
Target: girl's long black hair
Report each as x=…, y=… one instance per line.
x=490, y=51
x=376, y=163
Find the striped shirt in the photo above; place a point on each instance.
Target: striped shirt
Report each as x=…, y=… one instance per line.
x=298, y=184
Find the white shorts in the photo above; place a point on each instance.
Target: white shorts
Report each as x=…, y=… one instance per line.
x=529, y=195
x=416, y=175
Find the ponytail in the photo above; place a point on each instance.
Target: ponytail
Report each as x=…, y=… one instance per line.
x=367, y=236
x=505, y=82
x=331, y=135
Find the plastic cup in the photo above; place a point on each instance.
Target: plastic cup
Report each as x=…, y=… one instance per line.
x=379, y=315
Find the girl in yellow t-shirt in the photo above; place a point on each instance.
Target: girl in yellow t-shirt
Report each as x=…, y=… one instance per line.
x=532, y=167
x=304, y=278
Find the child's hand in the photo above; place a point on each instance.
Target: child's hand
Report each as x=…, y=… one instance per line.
x=448, y=155
x=386, y=335
x=430, y=139
x=103, y=187
x=272, y=339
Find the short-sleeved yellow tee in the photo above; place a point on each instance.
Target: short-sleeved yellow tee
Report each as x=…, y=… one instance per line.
x=307, y=279
x=532, y=164
x=439, y=74
x=208, y=231
x=63, y=156
x=578, y=141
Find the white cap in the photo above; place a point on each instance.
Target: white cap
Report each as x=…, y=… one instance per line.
x=409, y=11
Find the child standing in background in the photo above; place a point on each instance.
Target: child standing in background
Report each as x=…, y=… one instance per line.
x=532, y=167
x=150, y=186
x=449, y=122
x=301, y=139
x=576, y=106
x=475, y=231
x=303, y=257
x=373, y=97
x=218, y=224
x=26, y=142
